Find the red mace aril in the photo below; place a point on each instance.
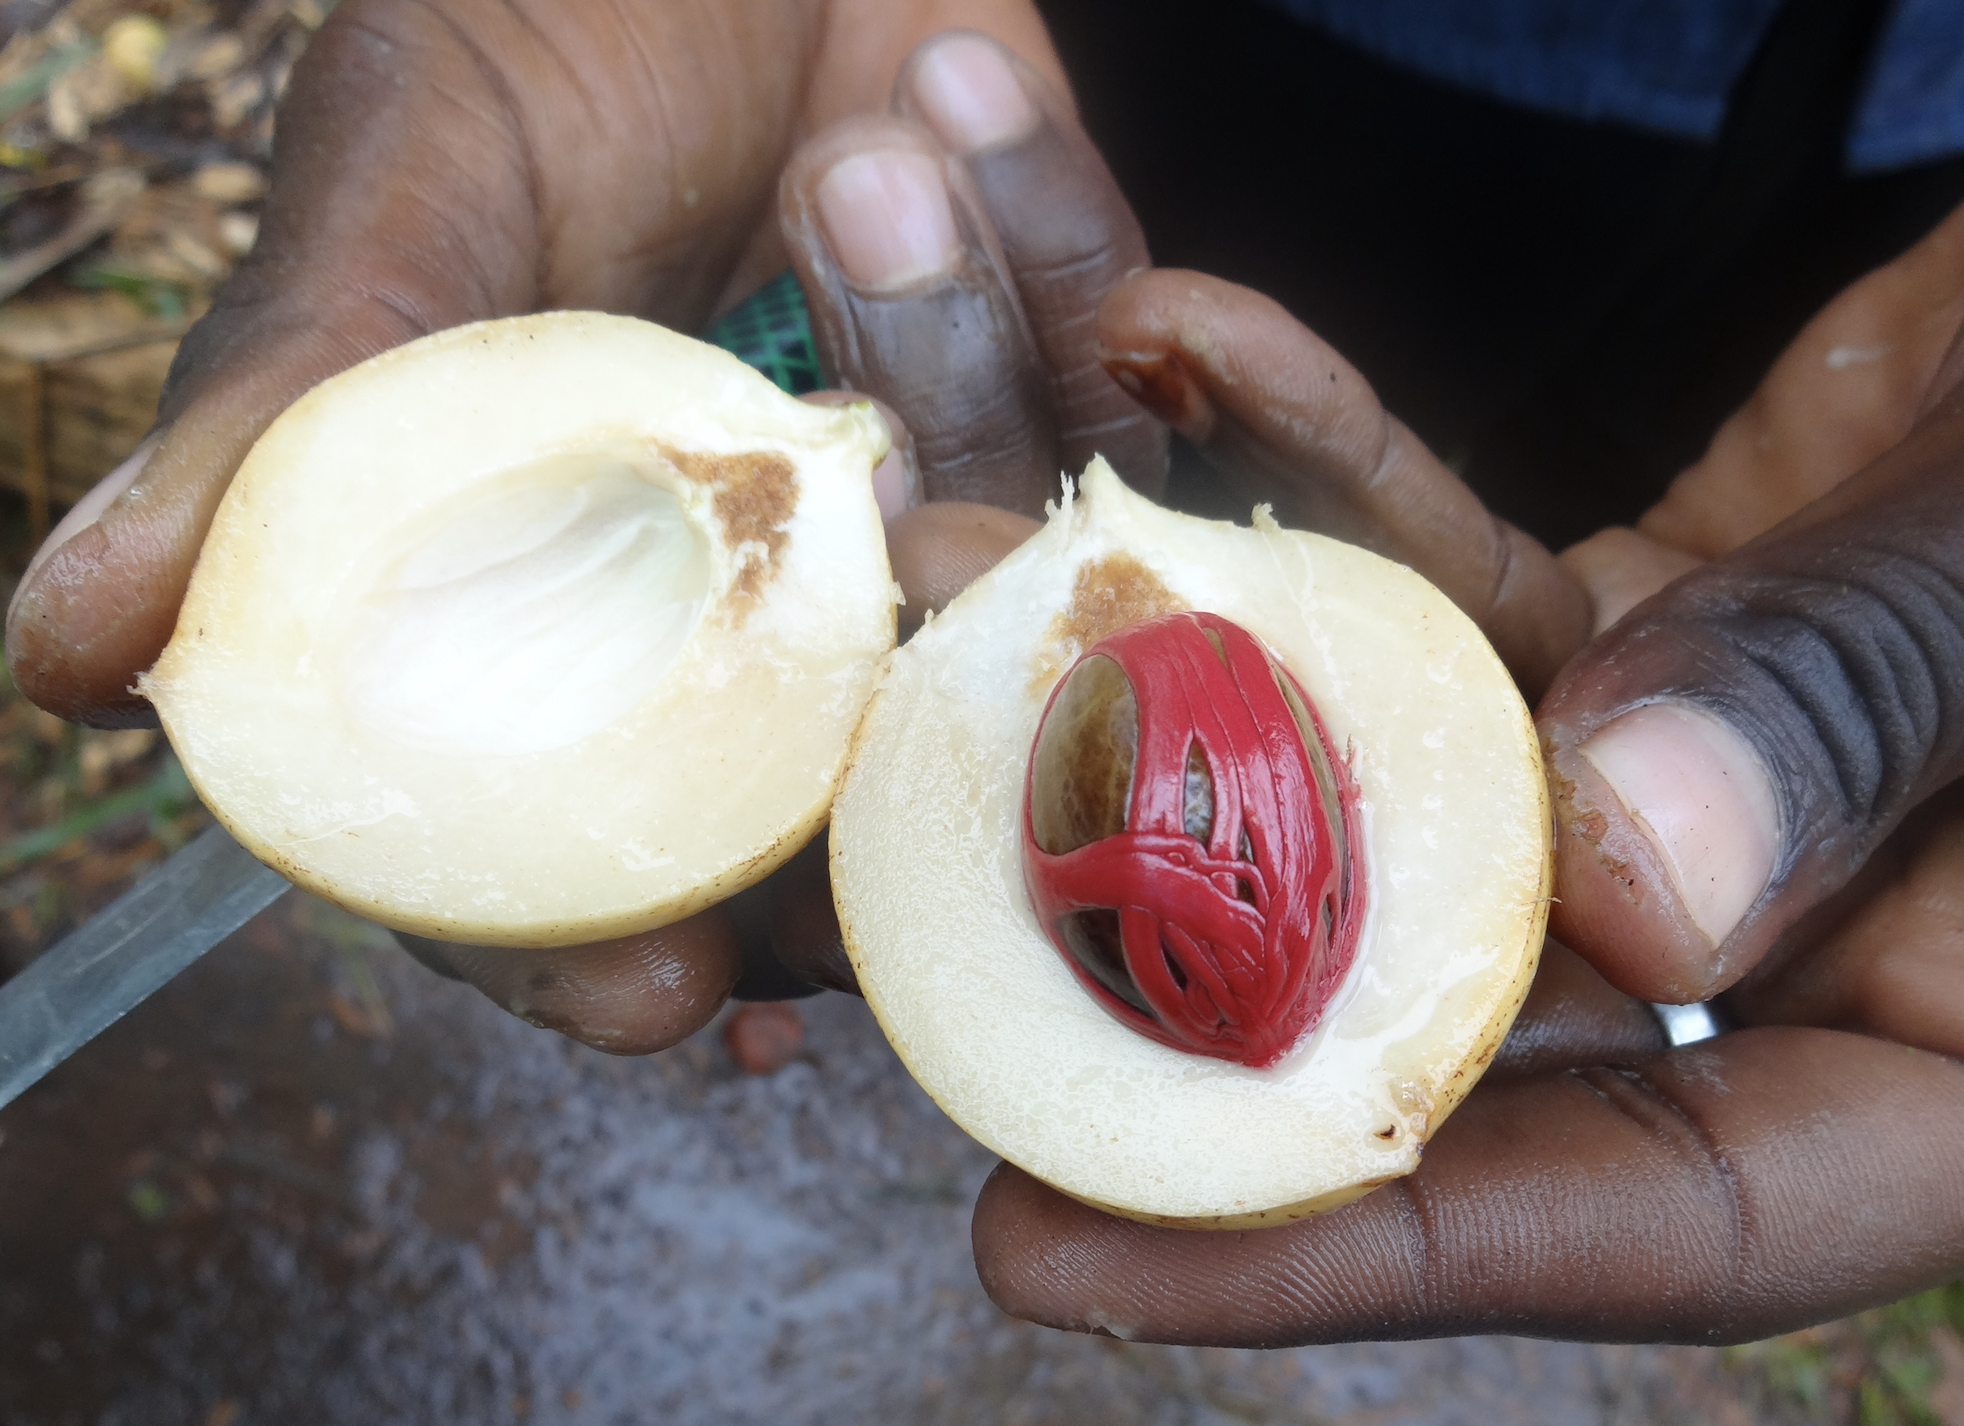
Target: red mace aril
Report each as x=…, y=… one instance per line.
x=1186, y=837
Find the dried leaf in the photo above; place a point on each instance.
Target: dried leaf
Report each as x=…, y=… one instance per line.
x=217, y=57
x=229, y=183
x=234, y=98
x=106, y=199
x=132, y=47
x=31, y=83
x=238, y=231
x=85, y=96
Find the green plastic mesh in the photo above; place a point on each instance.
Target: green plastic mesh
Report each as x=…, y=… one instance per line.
x=772, y=331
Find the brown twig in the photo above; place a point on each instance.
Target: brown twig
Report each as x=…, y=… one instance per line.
x=107, y=198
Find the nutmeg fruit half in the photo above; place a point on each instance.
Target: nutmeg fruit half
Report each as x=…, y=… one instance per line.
x=534, y=632
x=1196, y=869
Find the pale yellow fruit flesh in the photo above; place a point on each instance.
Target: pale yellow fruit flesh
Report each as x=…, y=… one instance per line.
x=534, y=632
x=927, y=878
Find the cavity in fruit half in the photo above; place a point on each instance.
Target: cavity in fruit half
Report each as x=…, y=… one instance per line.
x=1196, y=869
x=534, y=632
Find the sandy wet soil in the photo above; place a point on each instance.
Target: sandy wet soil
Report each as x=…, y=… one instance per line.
x=311, y=1182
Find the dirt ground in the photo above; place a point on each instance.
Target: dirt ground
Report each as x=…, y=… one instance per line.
x=311, y=1182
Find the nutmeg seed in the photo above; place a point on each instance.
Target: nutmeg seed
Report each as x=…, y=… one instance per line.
x=1185, y=839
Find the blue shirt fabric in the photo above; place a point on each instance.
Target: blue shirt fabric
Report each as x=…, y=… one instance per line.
x=1663, y=65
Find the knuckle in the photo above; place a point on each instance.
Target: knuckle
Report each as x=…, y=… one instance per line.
x=1853, y=682
x=1060, y=215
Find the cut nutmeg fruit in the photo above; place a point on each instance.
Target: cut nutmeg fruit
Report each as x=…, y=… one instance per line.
x=534, y=632
x=1196, y=869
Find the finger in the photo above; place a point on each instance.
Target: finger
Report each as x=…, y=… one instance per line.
x=434, y=209
x=629, y=996
x=1621, y=568
x=1728, y=756
x=802, y=925
x=1278, y=411
x=938, y=550
x=1067, y=233
x=764, y=976
x=911, y=301
x=432, y=956
x=1573, y=1019
x=1722, y=1192
x=1845, y=390
x=1891, y=963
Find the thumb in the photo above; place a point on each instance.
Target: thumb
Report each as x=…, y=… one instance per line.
x=1727, y=757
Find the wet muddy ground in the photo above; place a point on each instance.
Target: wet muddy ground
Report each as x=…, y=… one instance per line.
x=310, y=1182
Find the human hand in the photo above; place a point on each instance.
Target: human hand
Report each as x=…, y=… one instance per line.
x=447, y=162
x=474, y=189
x=463, y=159
x=1755, y=771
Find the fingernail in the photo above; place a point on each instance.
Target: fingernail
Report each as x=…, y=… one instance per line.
x=84, y=513
x=970, y=96
x=897, y=482
x=897, y=478
x=1700, y=793
x=887, y=217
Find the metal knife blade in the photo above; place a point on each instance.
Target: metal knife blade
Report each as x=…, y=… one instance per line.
x=100, y=972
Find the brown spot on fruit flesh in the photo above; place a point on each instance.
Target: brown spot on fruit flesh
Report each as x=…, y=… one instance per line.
x=754, y=494
x=1110, y=593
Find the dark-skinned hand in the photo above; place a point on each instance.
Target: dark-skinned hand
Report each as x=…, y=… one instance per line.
x=1601, y=1184
x=453, y=160
x=1755, y=767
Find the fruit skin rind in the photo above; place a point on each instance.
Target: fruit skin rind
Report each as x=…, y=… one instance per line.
x=1035, y=1094
x=610, y=386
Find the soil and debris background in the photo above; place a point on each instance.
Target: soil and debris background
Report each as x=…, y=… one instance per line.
x=310, y=1182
